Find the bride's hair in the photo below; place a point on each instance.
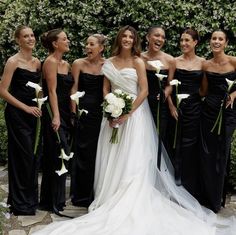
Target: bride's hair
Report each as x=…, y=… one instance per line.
x=136, y=49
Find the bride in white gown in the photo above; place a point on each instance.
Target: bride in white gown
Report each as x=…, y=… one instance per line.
x=132, y=197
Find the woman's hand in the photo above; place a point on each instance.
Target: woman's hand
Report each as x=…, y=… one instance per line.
x=230, y=100
x=173, y=112
x=119, y=121
x=35, y=111
x=56, y=123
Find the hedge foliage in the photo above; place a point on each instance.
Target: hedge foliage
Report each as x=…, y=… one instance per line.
x=83, y=17
x=80, y=18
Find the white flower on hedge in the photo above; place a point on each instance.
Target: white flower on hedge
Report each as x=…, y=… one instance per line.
x=118, y=91
x=120, y=103
x=155, y=64
x=76, y=96
x=35, y=86
x=116, y=112
x=63, y=170
x=182, y=96
x=161, y=76
x=230, y=83
x=175, y=82
x=40, y=101
x=83, y=111
x=110, y=98
x=66, y=157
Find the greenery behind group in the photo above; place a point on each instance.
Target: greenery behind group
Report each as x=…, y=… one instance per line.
x=84, y=17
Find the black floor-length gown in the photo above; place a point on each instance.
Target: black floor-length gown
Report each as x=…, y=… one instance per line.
x=186, y=153
x=22, y=164
x=164, y=113
x=215, y=149
x=53, y=186
x=83, y=165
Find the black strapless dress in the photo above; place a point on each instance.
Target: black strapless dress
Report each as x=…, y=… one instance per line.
x=53, y=186
x=22, y=164
x=164, y=113
x=83, y=166
x=215, y=149
x=186, y=154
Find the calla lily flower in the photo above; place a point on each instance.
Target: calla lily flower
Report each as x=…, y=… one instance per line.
x=63, y=170
x=161, y=76
x=35, y=86
x=77, y=95
x=175, y=82
x=83, y=111
x=156, y=64
x=230, y=83
x=64, y=156
x=182, y=96
x=40, y=101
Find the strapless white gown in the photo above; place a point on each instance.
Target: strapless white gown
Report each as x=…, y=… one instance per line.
x=132, y=197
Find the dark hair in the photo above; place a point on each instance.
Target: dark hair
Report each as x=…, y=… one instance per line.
x=223, y=31
x=151, y=28
x=49, y=37
x=19, y=29
x=136, y=49
x=192, y=32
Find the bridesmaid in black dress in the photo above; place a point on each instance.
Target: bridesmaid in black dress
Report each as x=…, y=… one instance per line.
x=88, y=78
x=20, y=115
x=219, y=102
x=57, y=84
x=186, y=153
x=158, y=95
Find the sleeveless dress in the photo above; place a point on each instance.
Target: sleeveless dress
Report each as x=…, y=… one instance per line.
x=52, y=194
x=22, y=164
x=132, y=197
x=164, y=113
x=83, y=165
x=215, y=149
x=186, y=154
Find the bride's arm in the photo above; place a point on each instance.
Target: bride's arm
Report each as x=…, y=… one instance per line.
x=106, y=86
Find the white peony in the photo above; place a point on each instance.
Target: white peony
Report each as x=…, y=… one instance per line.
x=118, y=91
x=120, y=103
x=109, y=108
x=110, y=98
x=116, y=112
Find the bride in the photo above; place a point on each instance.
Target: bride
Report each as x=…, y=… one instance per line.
x=132, y=197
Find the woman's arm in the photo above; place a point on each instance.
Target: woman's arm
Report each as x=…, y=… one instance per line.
x=50, y=74
x=171, y=73
x=9, y=69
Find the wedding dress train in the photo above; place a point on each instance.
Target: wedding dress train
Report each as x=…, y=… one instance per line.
x=132, y=197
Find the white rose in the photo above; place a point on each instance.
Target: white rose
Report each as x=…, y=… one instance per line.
x=118, y=91
x=116, y=112
x=120, y=103
x=110, y=98
x=110, y=108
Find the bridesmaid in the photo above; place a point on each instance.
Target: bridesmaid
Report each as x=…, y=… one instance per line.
x=158, y=95
x=87, y=76
x=57, y=84
x=20, y=115
x=189, y=73
x=219, y=102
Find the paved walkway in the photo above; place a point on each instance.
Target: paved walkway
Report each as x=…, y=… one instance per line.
x=24, y=225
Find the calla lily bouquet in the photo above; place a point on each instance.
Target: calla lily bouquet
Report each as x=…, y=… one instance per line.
x=63, y=155
x=75, y=97
x=40, y=102
x=219, y=116
x=157, y=65
x=116, y=104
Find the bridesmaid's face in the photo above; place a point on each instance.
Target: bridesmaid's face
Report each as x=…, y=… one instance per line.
x=218, y=41
x=62, y=43
x=26, y=39
x=156, y=39
x=187, y=44
x=93, y=48
x=127, y=40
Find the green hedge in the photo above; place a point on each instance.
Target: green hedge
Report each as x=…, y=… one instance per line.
x=3, y=135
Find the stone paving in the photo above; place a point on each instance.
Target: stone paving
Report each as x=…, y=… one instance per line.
x=26, y=225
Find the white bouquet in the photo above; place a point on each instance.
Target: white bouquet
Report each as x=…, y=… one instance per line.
x=115, y=104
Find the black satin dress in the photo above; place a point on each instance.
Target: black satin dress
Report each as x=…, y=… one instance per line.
x=83, y=166
x=164, y=113
x=215, y=149
x=52, y=196
x=22, y=164
x=186, y=153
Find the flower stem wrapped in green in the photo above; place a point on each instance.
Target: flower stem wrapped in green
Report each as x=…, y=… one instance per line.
x=115, y=104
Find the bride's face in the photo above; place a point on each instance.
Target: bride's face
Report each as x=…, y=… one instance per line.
x=127, y=40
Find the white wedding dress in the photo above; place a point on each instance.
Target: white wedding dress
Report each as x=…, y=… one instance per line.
x=132, y=197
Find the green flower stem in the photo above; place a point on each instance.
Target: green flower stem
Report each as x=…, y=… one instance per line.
x=176, y=123
x=38, y=129
x=114, y=136
x=218, y=120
